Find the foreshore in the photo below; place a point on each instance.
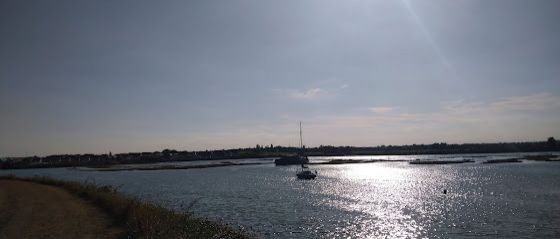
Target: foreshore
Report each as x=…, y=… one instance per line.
x=124, y=167
x=164, y=167
x=84, y=210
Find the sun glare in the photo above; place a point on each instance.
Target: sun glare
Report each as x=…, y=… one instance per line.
x=374, y=171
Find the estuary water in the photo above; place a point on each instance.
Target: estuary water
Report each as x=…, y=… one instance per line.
x=364, y=200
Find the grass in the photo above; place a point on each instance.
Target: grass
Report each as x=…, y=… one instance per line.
x=142, y=219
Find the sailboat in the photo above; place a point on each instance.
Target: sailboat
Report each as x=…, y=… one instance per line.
x=300, y=158
x=305, y=173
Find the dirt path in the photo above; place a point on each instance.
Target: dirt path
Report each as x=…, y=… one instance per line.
x=31, y=210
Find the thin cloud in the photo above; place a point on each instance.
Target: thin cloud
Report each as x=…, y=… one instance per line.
x=312, y=93
x=309, y=94
x=380, y=110
x=535, y=102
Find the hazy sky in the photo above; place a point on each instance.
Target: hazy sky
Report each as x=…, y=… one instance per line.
x=99, y=76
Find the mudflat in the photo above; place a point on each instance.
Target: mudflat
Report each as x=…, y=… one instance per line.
x=32, y=210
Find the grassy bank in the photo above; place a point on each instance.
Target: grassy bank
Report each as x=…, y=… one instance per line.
x=140, y=219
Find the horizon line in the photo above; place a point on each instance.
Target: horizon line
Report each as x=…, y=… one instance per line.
x=289, y=146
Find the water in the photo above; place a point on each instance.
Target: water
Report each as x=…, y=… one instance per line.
x=371, y=200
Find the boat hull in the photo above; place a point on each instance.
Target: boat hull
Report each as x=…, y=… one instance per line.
x=295, y=160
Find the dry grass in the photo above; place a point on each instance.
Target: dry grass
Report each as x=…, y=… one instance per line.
x=141, y=219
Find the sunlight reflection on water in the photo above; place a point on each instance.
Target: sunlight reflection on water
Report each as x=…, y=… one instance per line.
x=381, y=195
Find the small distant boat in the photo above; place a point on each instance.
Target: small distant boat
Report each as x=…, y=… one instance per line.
x=292, y=160
x=305, y=173
x=296, y=159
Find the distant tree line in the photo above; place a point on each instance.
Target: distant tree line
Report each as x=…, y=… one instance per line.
x=265, y=151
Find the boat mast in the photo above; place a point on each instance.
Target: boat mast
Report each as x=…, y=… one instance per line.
x=300, y=138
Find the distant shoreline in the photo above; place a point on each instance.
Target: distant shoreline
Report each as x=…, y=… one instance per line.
x=168, y=155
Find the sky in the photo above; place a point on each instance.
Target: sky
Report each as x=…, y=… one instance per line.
x=81, y=76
